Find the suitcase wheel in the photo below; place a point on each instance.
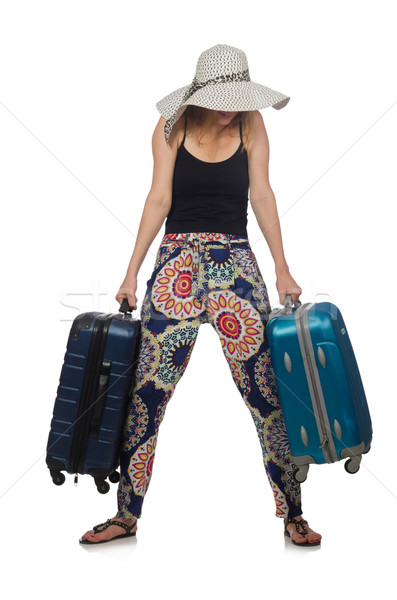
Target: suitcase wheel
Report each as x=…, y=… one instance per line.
x=300, y=474
x=114, y=477
x=352, y=465
x=57, y=477
x=101, y=485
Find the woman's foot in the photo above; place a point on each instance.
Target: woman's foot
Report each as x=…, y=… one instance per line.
x=110, y=532
x=301, y=538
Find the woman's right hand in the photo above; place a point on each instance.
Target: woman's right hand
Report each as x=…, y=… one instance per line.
x=128, y=290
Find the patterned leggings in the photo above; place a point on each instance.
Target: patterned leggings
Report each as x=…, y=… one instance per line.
x=204, y=278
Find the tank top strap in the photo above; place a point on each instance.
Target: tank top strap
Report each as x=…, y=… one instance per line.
x=241, y=131
x=184, y=135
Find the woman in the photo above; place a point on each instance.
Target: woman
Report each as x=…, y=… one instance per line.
x=206, y=272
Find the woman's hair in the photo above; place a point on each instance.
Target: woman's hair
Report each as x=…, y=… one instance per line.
x=199, y=118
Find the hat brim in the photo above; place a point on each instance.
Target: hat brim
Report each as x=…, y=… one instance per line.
x=230, y=96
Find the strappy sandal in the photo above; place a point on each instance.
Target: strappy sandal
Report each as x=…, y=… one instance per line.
x=107, y=524
x=300, y=527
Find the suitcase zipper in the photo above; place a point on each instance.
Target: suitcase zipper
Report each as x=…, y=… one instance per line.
x=325, y=434
x=324, y=444
x=95, y=353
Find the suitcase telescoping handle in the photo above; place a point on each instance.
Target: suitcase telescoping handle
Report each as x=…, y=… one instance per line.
x=288, y=304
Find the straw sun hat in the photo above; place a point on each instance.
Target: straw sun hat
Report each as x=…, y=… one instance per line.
x=222, y=82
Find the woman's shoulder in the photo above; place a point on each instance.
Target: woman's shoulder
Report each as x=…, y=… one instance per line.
x=175, y=137
x=257, y=120
x=177, y=132
x=257, y=148
x=258, y=134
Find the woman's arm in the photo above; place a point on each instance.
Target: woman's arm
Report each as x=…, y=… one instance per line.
x=264, y=206
x=155, y=210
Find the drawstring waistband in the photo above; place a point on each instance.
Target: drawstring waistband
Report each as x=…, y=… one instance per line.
x=196, y=264
x=198, y=242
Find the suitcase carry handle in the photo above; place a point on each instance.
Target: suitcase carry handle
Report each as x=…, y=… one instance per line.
x=125, y=307
x=288, y=304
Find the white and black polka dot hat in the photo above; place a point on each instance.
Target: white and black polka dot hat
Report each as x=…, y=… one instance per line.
x=221, y=82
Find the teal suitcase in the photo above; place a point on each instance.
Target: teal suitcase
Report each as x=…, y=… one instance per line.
x=319, y=386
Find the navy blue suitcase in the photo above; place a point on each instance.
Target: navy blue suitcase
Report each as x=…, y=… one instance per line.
x=319, y=386
x=92, y=398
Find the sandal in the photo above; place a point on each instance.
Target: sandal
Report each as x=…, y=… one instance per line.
x=106, y=525
x=300, y=527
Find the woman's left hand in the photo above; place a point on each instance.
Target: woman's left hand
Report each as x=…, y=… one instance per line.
x=286, y=284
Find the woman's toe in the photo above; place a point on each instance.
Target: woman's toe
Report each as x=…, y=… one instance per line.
x=313, y=537
x=89, y=534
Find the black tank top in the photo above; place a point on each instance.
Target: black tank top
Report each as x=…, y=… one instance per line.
x=209, y=196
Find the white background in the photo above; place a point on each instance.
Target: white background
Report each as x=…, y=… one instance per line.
x=78, y=87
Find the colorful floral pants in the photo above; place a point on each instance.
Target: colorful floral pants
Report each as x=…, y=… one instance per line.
x=204, y=278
